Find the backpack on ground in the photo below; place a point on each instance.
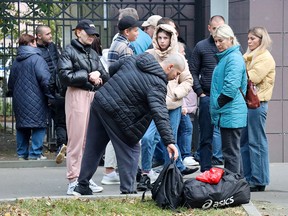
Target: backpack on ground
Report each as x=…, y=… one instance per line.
x=232, y=190
x=168, y=188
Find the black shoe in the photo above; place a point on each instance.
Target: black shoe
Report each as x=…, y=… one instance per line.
x=144, y=183
x=257, y=188
x=156, y=163
x=131, y=192
x=216, y=162
x=188, y=171
x=80, y=190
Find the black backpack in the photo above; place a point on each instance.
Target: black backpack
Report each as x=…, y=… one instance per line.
x=168, y=188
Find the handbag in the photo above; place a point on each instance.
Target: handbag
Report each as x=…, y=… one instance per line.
x=251, y=97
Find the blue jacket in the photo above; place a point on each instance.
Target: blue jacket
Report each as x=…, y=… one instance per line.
x=229, y=75
x=142, y=42
x=28, y=83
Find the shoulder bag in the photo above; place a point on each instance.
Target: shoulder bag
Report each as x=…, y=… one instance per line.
x=251, y=97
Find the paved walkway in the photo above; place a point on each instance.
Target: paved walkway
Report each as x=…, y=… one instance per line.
x=26, y=179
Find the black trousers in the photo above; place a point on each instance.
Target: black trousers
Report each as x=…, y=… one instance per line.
x=231, y=149
x=98, y=135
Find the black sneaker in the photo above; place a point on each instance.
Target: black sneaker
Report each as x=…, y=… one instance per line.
x=144, y=183
x=82, y=190
x=131, y=192
x=216, y=162
x=188, y=171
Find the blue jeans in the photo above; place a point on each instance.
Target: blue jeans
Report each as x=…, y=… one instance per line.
x=217, y=144
x=148, y=143
x=158, y=153
x=206, y=134
x=254, y=147
x=150, y=139
x=23, y=136
x=175, y=116
x=184, y=137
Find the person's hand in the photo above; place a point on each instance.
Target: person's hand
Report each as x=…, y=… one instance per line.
x=172, y=150
x=184, y=111
x=94, y=77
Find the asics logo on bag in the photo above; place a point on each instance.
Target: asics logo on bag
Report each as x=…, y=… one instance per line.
x=209, y=203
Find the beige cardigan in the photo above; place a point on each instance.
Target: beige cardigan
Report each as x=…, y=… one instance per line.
x=261, y=70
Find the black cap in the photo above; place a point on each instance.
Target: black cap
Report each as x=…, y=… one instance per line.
x=88, y=26
x=127, y=22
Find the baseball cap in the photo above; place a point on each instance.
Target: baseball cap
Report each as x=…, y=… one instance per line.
x=127, y=22
x=152, y=20
x=88, y=26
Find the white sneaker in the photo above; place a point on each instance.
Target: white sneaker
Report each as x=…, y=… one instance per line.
x=42, y=157
x=189, y=161
x=110, y=179
x=94, y=187
x=71, y=187
x=153, y=176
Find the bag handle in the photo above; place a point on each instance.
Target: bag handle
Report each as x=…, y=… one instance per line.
x=240, y=87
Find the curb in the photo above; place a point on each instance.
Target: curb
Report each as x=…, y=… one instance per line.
x=251, y=209
x=30, y=164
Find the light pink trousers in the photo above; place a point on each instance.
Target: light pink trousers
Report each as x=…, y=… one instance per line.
x=77, y=108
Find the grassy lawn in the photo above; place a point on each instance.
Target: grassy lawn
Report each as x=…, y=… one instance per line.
x=116, y=207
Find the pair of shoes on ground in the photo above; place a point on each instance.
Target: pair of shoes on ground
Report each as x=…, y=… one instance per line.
x=147, y=180
x=257, y=188
x=190, y=161
x=75, y=189
x=61, y=152
x=110, y=179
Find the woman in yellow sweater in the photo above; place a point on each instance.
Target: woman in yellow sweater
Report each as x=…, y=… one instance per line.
x=254, y=144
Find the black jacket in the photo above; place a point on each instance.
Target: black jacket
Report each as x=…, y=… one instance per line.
x=203, y=64
x=75, y=64
x=51, y=56
x=134, y=95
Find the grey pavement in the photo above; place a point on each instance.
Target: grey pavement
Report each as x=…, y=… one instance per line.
x=27, y=179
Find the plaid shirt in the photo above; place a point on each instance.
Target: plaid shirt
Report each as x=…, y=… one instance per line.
x=119, y=49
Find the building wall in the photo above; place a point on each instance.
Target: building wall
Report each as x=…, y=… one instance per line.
x=273, y=16
x=244, y=14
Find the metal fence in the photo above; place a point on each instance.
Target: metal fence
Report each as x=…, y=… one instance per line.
x=23, y=16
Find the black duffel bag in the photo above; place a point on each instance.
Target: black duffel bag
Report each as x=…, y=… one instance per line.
x=232, y=190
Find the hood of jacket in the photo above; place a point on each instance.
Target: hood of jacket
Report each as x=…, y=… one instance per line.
x=173, y=47
x=25, y=52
